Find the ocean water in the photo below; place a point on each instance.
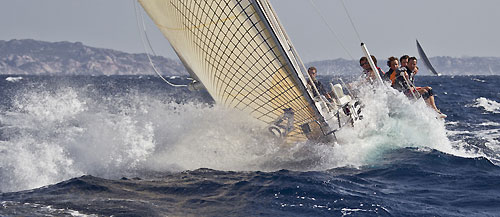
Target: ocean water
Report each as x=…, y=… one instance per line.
x=133, y=146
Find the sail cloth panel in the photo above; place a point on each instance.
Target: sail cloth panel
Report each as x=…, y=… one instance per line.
x=233, y=53
x=426, y=60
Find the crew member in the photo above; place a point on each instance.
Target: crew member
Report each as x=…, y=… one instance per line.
x=319, y=86
x=367, y=69
x=404, y=82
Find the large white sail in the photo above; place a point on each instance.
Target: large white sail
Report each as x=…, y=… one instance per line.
x=236, y=48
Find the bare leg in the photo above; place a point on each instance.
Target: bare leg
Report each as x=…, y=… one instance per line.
x=430, y=102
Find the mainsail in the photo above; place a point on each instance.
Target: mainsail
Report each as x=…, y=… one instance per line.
x=238, y=50
x=426, y=60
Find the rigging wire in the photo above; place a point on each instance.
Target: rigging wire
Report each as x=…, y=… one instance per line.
x=352, y=22
x=331, y=29
x=144, y=39
x=363, y=45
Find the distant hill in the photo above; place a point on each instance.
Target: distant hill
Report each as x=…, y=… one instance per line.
x=66, y=58
x=443, y=64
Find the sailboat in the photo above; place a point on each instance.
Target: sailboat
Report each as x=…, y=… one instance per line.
x=426, y=60
x=239, y=52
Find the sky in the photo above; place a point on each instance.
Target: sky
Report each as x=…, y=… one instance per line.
x=454, y=28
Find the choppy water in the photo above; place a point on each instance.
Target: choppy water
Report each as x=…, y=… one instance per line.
x=132, y=146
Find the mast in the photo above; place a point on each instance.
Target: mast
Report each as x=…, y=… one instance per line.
x=267, y=12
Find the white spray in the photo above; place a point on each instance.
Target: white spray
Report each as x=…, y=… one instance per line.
x=51, y=136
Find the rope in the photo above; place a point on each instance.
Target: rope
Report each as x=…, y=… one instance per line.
x=352, y=23
x=146, y=35
x=146, y=39
x=331, y=30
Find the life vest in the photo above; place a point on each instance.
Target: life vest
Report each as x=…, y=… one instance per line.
x=392, y=75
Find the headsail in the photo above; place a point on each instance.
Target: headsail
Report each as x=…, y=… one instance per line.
x=236, y=49
x=426, y=60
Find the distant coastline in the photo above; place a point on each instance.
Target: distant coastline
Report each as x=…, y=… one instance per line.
x=28, y=56
x=34, y=57
x=444, y=64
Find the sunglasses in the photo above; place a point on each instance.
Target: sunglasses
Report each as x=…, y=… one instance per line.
x=362, y=64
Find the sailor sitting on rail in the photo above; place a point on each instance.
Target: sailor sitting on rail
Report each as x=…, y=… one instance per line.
x=319, y=86
x=403, y=83
x=412, y=71
x=367, y=69
x=394, y=70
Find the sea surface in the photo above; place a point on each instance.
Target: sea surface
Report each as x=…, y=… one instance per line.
x=134, y=146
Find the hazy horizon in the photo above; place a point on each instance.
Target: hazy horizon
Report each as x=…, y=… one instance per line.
x=466, y=29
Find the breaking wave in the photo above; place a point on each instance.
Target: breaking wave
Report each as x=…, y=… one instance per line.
x=14, y=79
x=487, y=104
x=50, y=135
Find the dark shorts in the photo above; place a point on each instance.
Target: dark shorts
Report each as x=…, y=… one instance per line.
x=427, y=94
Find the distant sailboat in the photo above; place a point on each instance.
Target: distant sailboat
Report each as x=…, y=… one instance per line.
x=426, y=60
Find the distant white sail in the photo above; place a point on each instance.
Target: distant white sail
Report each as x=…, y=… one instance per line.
x=426, y=60
x=240, y=53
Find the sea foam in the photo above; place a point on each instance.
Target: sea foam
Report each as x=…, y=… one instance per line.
x=14, y=79
x=487, y=104
x=53, y=135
